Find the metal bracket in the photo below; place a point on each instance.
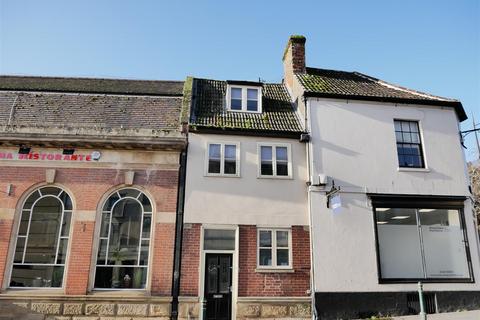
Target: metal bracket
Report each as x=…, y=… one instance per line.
x=334, y=190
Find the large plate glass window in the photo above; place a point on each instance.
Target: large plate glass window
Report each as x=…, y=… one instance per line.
x=421, y=243
x=223, y=159
x=42, y=240
x=275, y=161
x=274, y=248
x=409, y=146
x=124, y=244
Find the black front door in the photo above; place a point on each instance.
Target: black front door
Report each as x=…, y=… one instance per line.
x=218, y=283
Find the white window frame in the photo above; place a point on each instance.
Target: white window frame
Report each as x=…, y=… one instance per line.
x=222, y=159
x=58, y=239
x=274, y=248
x=244, y=97
x=274, y=160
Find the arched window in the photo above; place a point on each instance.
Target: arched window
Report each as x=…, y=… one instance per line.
x=42, y=240
x=122, y=257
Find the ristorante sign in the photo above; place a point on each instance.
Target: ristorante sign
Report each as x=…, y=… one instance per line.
x=49, y=156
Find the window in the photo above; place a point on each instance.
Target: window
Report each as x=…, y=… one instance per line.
x=422, y=243
x=217, y=239
x=275, y=161
x=409, y=145
x=242, y=98
x=223, y=159
x=42, y=240
x=123, y=251
x=274, y=248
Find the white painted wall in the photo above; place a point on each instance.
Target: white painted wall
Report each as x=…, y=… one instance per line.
x=354, y=143
x=245, y=199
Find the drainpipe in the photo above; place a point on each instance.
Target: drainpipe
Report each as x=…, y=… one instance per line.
x=309, y=156
x=178, y=233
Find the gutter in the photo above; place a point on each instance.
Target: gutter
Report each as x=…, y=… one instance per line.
x=177, y=259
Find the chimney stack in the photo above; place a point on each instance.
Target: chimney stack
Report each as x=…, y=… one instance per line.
x=294, y=58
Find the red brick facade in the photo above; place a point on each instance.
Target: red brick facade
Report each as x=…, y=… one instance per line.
x=87, y=187
x=190, y=260
x=255, y=284
x=251, y=282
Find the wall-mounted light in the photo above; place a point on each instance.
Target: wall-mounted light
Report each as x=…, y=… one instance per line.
x=24, y=150
x=68, y=151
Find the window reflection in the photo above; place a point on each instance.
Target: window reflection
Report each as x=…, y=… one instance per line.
x=42, y=240
x=123, y=251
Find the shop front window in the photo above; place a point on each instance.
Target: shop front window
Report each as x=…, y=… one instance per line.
x=42, y=239
x=421, y=244
x=124, y=243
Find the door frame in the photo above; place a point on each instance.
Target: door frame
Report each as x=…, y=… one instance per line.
x=234, y=254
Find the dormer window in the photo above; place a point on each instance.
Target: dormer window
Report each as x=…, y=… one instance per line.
x=244, y=98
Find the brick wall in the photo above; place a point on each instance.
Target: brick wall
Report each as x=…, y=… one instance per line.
x=190, y=261
x=78, y=270
x=255, y=284
x=162, y=272
x=5, y=232
x=87, y=186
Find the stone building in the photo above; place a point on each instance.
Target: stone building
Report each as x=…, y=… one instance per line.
x=88, y=191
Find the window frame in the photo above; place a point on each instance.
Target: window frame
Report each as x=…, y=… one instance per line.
x=274, y=249
x=11, y=263
x=222, y=159
x=244, y=89
x=274, y=160
x=98, y=238
x=420, y=144
x=420, y=202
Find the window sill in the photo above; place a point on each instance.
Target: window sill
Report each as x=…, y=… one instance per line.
x=244, y=111
x=222, y=175
x=41, y=292
x=120, y=293
x=431, y=280
x=275, y=177
x=274, y=270
x=405, y=169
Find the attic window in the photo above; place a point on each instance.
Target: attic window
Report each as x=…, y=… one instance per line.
x=244, y=98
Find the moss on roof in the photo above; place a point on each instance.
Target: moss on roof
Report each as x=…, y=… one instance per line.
x=209, y=110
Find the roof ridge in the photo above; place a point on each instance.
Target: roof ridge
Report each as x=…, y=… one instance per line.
x=209, y=79
x=84, y=78
x=323, y=69
x=404, y=89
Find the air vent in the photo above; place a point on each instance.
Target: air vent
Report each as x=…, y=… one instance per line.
x=413, y=303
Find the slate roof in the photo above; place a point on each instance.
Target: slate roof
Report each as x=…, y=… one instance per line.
x=40, y=109
x=209, y=111
x=92, y=85
x=355, y=85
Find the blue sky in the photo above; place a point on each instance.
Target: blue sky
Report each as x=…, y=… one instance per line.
x=430, y=45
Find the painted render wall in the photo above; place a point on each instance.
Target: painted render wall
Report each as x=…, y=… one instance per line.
x=245, y=199
x=354, y=144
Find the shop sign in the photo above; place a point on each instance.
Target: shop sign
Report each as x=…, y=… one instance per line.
x=50, y=156
x=336, y=203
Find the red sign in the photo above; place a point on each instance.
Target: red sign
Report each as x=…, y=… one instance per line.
x=45, y=156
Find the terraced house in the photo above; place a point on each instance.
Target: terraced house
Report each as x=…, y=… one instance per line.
x=245, y=234
x=329, y=195
x=88, y=190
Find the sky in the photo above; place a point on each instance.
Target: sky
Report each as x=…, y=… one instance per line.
x=430, y=45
